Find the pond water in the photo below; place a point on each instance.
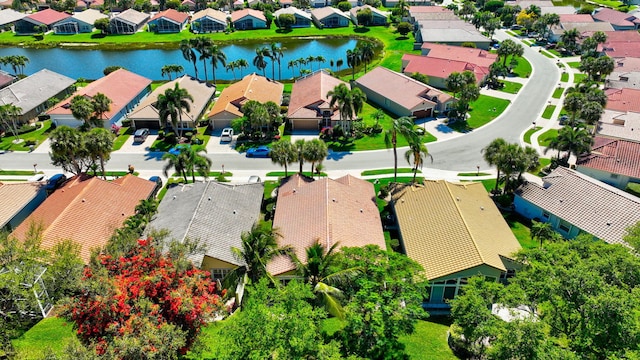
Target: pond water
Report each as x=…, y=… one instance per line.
x=89, y=64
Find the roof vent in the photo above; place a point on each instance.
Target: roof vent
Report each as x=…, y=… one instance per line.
x=122, y=214
x=84, y=200
x=209, y=198
x=481, y=207
x=334, y=199
x=294, y=191
x=174, y=197
x=361, y=210
x=608, y=224
x=234, y=211
x=457, y=198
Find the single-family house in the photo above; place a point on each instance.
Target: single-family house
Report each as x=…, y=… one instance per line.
x=455, y=231
x=430, y=13
x=168, y=21
x=574, y=203
x=6, y=79
x=583, y=23
x=303, y=18
x=285, y=3
x=238, y=5
x=452, y=32
x=309, y=107
x=19, y=199
x=625, y=74
x=329, y=17
x=619, y=125
x=147, y=115
x=621, y=44
x=129, y=22
x=403, y=95
x=82, y=5
x=612, y=161
x=618, y=19
x=87, y=210
x=319, y=3
x=33, y=23
x=324, y=211
x=438, y=69
x=8, y=17
x=379, y=17
x=248, y=19
x=189, y=4
x=81, y=22
x=623, y=100
x=32, y=93
x=214, y=214
x=124, y=88
x=228, y=106
x=208, y=20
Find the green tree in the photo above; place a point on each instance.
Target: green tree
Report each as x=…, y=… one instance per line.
x=404, y=127
x=171, y=104
x=102, y=25
x=574, y=140
x=283, y=153
x=167, y=70
x=416, y=154
x=259, y=60
x=99, y=144
x=404, y=28
x=543, y=231
x=597, y=67
x=493, y=154
x=349, y=102
x=314, y=151
x=286, y=21
x=109, y=69
x=509, y=48
x=101, y=105
x=364, y=17
x=242, y=64
x=354, y=58
x=178, y=162
x=195, y=161
x=146, y=208
x=217, y=57
x=299, y=146
x=202, y=45
x=189, y=54
x=82, y=109
x=366, y=53
x=68, y=150
x=9, y=114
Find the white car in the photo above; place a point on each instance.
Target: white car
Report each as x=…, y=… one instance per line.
x=37, y=178
x=227, y=134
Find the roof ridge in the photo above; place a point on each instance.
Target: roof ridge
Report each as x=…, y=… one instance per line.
x=466, y=225
x=68, y=208
x=193, y=216
x=326, y=214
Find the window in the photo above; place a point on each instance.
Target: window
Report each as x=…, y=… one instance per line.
x=614, y=176
x=219, y=274
x=449, y=293
x=564, y=226
x=545, y=214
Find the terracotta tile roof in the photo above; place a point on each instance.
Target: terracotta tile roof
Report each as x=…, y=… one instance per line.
x=6, y=79
x=623, y=99
x=48, y=16
x=627, y=64
x=615, y=17
x=239, y=14
x=593, y=206
x=15, y=196
x=576, y=18
x=428, y=9
x=251, y=87
x=448, y=227
x=87, y=210
x=440, y=68
x=400, y=88
x=121, y=86
x=342, y=210
x=310, y=92
x=615, y=124
x=614, y=156
x=621, y=44
x=323, y=12
x=173, y=15
x=211, y=13
x=478, y=57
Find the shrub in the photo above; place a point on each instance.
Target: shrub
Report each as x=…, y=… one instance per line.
x=188, y=134
x=171, y=138
x=25, y=129
x=126, y=123
x=160, y=134
x=30, y=142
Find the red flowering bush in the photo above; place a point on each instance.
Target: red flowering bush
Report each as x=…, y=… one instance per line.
x=142, y=302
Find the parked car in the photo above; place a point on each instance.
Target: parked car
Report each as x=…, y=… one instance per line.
x=563, y=119
x=140, y=135
x=55, y=182
x=227, y=134
x=176, y=149
x=253, y=179
x=260, y=151
x=37, y=178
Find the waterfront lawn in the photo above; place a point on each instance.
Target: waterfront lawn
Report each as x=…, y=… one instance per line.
x=548, y=111
x=557, y=93
x=40, y=135
x=511, y=87
x=523, y=69
x=482, y=111
x=547, y=136
x=527, y=135
x=47, y=337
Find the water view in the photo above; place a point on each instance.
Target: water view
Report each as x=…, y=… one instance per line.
x=89, y=64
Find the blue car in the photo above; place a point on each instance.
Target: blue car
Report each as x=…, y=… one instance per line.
x=261, y=151
x=176, y=149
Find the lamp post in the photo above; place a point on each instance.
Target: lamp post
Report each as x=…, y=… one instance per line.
x=35, y=168
x=478, y=170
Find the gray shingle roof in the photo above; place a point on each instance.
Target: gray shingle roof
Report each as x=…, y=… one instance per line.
x=215, y=214
x=34, y=90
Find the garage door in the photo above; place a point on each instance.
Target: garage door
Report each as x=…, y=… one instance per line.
x=305, y=125
x=221, y=123
x=422, y=113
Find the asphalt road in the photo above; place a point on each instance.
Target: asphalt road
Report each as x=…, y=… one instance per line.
x=457, y=154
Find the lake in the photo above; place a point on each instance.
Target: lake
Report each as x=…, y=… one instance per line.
x=89, y=64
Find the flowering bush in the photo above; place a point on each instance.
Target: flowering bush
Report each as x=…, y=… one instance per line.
x=142, y=302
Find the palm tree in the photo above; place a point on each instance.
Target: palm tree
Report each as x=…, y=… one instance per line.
x=299, y=145
x=171, y=104
x=350, y=103
x=101, y=105
x=217, y=57
x=189, y=54
x=194, y=161
x=99, y=145
x=146, y=208
x=283, y=153
x=310, y=59
x=276, y=55
x=353, y=60
x=418, y=151
x=9, y=118
x=366, y=53
x=543, y=231
x=259, y=60
x=320, y=60
x=339, y=64
x=315, y=151
x=292, y=65
x=301, y=61
x=242, y=63
x=259, y=247
x=167, y=71
x=403, y=126
x=202, y=44
x=574, y=140
x=176, y=162
x=493, y=153
x=232, y=66
x=81, y=109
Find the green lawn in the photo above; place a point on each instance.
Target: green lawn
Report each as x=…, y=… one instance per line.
x=511, y=87
x=544, y=162
x=50, y=335
x=548, y=111
x=473, y=174
x=547, y=54
x=574, y=64
x=125, y=132
x=577, y=78
x=40, y=135
x=557, y=93
x=17, y=172
x=547, y=136
x=520, y=228
x=523, y=69
x=429, y=340
x=386, y=171
x=527, y=135
x=564, y=77
x=293, y=171
x=633, y=188
x=482, y=111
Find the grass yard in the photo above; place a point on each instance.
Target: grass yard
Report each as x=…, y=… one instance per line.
x=548, y=111
x=386, y=171
x=544, y=162
x=429, y=340
x=557, y=93
x=520, y=228
x=633, y=188
x=564, y=77
x=577, y=78
x=574, y=64
x=18, y=172
x=40, y=135
x=49, y=336
x=547, y=136
x=488, y=108
x=547, y=54
x=125, y=132
x=527, y=135
x=523, y=69
x=511, y=87
x=473, y=174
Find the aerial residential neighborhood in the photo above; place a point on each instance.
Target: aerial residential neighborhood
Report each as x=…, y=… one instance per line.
x=319, y=180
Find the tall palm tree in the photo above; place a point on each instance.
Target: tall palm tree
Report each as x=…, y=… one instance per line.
x=320, y=60
x=493, y=153
x=202, y=44
x=315, y=151
x=277, y=52
x=189, y=54
x=195, y=161
x=403, y=126
x=217, y=57
x=366, y=53
x=292, y=65
x=350, y=103
x=242, y=64
x=101, y=105
x=81, y=109
x=99, y=145
x=9, y=114
x=310, y=59
x=353, y=60
x=259, y=60
x=339, y=64
x=176, y=162
x=232, y=67
x=299, y=145
x=416, y=154
x=171, y=104
x=283, y=152
x=574, y=140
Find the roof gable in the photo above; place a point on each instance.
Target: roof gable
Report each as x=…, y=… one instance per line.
x=251, y=87
x=132, y=16
x=312, y=90
x=15, y=196
x=213, y=14
x=48, y=16
x=623, y=99
x=615, y=156
x=240, y=14
x=36, y=89
x=172, y=15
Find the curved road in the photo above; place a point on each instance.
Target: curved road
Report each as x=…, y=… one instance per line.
x=457, y=154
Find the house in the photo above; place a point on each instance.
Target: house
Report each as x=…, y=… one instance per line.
x=619, y=125
x=286, y=3
x=379, y=17
x=82, y=5
x=124, y=88
x=402, y=95
x=168, y=21
x=147, y=115
x=324, y=211
x=430, y=13
x=19, y=199
x=303, y=18
x=248, y=19
x=618, y=19
x=32, y=24
x=626, y=74
x=228, y=106
x=329, y=17
x=623, y=99
x=208, y=20
x=81, y=22
x=309, y=105
x=86, y=210
x=621, y=44
x=32, y=94
x=574, y=203
x=437, y=69
x=189, y=4
x=455, y=231
x=129, y=22
x=6, y=79
x=214, y=214
x=453, y=32
x=8, y=17
x=612, y=161
x=583, y=23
